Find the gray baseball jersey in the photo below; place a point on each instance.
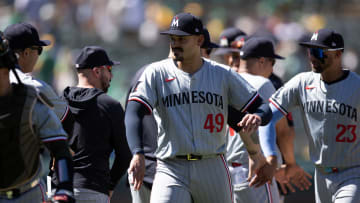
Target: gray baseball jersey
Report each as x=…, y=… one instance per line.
x=330, y=117
x=237, y=153
x=60, y=107
x=235, y=148
x=191, y=109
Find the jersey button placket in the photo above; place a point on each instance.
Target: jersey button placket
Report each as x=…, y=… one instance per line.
x=194, y=124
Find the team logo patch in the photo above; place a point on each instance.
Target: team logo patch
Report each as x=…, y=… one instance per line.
x=175, y=22
x=170, y=79
x=314, y=36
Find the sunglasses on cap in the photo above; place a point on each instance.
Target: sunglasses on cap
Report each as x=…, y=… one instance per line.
x=107, y=67
x=319, y=52
x=39, y=49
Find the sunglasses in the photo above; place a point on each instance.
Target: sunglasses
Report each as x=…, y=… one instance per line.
x=39, y=49
x=108, y=67
x=319, y=52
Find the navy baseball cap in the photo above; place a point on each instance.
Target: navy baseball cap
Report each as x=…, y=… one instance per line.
x=257, y=47
x=184, y=24
x=226, y=38
x=207, y=41
x=326, y=39
x=93, y=56
x=23, y=35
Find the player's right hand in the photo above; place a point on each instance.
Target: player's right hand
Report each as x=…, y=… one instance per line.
x=263, y=174
x=256, y=162
x=136, y=170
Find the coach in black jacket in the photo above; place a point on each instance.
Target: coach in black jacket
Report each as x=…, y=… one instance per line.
x=98, y=129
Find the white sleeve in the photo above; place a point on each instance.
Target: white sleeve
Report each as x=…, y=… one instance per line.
x=46, y=123
x=145, y=89
x=241, y=93
x=288, y=95
x=266, y=90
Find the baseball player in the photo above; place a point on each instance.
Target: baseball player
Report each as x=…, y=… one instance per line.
x=26, y=124
x=150, y=132
x=255, y=54
x=187, y=95
x=285, y=134
x=327, y=97
x=24, y=40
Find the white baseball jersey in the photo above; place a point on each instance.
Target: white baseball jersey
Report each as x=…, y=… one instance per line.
x=330, y=117
x=235, y=148
x=191, y=109
x=60, y=107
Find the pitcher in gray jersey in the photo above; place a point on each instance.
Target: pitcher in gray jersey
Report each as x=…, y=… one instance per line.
x=328, y=98
x=188, y=96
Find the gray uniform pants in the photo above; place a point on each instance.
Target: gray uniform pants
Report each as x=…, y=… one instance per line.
x=34, y=195
x=338, y=187
x=245, y=194
x=181, y=181
x=140, y=196
x=83, y=195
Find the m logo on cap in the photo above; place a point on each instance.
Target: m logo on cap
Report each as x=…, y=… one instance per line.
x=175, y=22
x=314, y=36
x=224, y=42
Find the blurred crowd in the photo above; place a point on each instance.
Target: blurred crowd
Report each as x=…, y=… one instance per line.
x=129, y=30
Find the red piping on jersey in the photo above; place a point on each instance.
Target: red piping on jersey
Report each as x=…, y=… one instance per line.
x=269, y=192
x=42, y=192
x=65, y=114
x=309, y=87
x=251, y=102
x=229, y=177
x=141, y=101
x=279, y=108
x=170, y=79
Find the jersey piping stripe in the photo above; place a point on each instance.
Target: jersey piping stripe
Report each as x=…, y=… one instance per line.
x=251, y=101
x=268, y=189
x=65, y=114
x=148, y=106
x=282, y=110
x=228, y=175
x=52, y=139
x=42, y=192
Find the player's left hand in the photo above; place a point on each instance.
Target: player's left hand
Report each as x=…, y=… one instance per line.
x=265, y=173
x=249, y=123
x=136, y=170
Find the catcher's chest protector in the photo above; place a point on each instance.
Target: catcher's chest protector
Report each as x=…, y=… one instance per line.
x=19, y=146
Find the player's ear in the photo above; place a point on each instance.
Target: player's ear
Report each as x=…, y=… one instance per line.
x=338, y=53
x=200, y=40
x=96, y=71
x=262, y=60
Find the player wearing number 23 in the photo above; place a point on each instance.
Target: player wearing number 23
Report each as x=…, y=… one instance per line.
x=328, y=97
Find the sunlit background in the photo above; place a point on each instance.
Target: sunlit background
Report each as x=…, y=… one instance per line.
x=129, y=31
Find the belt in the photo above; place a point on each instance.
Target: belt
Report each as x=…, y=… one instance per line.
x=194, y=157
x=16, y=192
x=234, y=164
